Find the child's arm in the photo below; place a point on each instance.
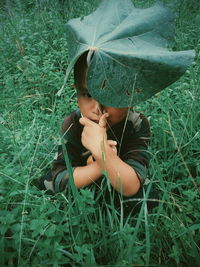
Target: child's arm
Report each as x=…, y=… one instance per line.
x=88, y=174
x=122, y=176
x=83, y=175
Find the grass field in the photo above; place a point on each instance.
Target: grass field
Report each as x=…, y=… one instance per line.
x=38, y=229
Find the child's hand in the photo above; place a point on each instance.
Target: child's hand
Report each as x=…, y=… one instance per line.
x=103, y=123
x=94, y=134
x=113, y=145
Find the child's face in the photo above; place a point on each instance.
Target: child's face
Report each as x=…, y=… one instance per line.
x=92, y=109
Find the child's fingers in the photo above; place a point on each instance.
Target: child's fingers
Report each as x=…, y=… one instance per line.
x=112, y=142
x=103, y=121
x=84, y=121
x=113, y=145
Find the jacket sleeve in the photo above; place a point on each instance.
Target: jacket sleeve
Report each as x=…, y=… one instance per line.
x=135, y=146
x=71, y=131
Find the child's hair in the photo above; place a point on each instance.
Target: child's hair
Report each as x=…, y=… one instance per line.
x=80, y=68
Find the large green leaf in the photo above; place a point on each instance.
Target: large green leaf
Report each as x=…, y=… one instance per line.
x=128, y=56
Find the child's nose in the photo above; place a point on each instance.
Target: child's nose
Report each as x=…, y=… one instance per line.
x=97, y=108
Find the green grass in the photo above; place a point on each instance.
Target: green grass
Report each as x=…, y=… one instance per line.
x=38, y=229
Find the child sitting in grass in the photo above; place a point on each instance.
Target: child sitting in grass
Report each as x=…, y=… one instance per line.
x=120, y=59
x=100, y=138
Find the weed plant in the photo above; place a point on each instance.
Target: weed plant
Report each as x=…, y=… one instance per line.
x=38, y=229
